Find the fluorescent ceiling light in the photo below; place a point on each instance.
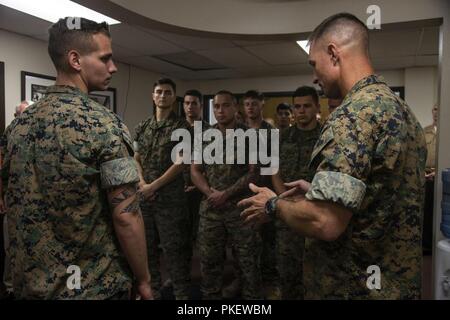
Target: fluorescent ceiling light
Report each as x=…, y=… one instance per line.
x=53, y=10
x=304, y=45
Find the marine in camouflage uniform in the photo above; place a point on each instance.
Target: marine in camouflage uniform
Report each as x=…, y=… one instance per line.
x=60, y=153
x=167, y=217
x=370, y=158
x=218, y=224
x=269, y=272
x=296, y=146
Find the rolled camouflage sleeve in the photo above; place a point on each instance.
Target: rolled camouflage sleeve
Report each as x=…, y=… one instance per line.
x=337, y=187
x=119, y=172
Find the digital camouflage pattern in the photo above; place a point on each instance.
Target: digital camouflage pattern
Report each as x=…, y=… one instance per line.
x=194, y=197
x=155, y=148
x=166, y=218
x=269, y=272
x=58, y=213
x=218, y=225
x=373, y=142
x=296, y=147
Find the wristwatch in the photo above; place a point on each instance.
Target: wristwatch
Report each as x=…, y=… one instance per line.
x=271, y=207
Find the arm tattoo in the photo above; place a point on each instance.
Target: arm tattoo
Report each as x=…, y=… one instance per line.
x=126, y=193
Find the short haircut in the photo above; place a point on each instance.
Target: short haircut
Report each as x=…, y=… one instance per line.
x=226, y=92
x=336, y=24
x=168, y=81
x=63, y=37
x=194, y=93
x=284, y=106
x=254, y=94
x=305, y=91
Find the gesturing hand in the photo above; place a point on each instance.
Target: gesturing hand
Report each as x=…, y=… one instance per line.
x=255, y=212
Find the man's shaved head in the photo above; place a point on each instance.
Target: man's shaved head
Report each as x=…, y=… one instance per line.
x=344, y=29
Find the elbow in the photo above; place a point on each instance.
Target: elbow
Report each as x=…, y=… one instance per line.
x=123, y=220
x=328, y=230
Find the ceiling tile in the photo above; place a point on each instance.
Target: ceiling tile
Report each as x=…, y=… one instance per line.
x=141, y=42
x=190, y=60
x=232, y=57
x=430, y=42
x=393, y=44
x=280, y=53
x=393, y=62
x=22, y=23
x=191, y=43
x=152, y=64
x=429, y=60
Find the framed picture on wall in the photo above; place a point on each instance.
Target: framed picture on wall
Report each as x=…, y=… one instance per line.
x=2, y=97
x=34, y=85
x=106, y=98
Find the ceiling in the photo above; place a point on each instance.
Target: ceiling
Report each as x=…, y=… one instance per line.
x=201, y=58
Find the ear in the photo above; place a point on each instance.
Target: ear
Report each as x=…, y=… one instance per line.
x=333, y=53
x=74, y=60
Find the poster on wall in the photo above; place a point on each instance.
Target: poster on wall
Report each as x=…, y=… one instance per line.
x=106, y=98
x=34, y=86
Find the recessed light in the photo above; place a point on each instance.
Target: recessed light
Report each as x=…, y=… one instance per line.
x=52, y=10
x=304, y=45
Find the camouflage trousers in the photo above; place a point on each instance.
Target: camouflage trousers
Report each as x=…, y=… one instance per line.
x=167, y=227
x=269, y=271
x=290, y=251
x=215, y=227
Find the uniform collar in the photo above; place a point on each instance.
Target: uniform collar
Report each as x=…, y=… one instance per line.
x=163, y=123
x=65, y=90
x=364, y=82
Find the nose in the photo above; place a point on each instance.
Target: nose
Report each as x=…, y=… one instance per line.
x=113, y=68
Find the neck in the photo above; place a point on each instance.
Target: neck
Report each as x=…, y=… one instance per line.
x=359, y=69
x=310, y=126
x=230, y=125
x=255, y=123
x=73, y=80
x=192, y=120
x=162, y=113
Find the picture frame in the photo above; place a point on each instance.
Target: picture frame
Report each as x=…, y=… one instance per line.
x=34, y=85
x=2, y=97
x=106, y=98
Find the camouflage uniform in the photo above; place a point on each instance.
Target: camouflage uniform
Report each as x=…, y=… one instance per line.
x=167, y=218
x=370, y=158
x=62, y=154
x=194, y=197
x=269, y=271
x=216, y=225
x=296, y=146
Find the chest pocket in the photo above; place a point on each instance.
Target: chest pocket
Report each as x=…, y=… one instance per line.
x=289, y=157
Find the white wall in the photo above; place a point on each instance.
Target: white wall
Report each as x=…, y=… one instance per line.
x=421, y=92
x=21, y=53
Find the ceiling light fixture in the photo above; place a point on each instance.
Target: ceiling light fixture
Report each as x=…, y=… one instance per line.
x=52, y=10
x=304, y=45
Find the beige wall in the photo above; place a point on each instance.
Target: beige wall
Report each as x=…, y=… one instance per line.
x=421, y=92
x=21, y=53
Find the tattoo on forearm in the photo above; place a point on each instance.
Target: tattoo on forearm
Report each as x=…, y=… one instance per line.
x=126, y=193
x=133, y=207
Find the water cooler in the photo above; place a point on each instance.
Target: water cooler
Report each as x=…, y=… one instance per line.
x=442, y=284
